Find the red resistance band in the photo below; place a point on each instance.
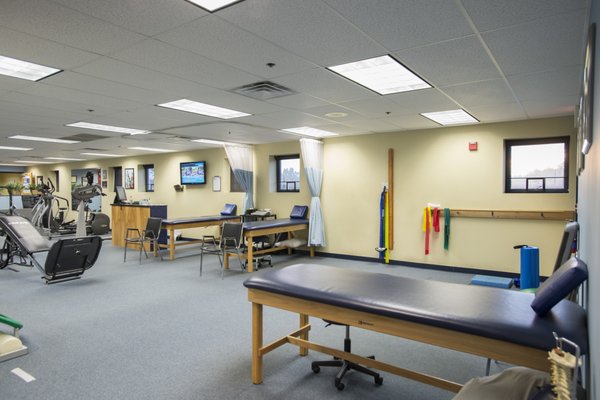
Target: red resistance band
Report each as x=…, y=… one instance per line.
x=436, y=219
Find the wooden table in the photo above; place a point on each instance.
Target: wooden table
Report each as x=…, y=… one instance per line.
x=192, y=222
x=268, y=227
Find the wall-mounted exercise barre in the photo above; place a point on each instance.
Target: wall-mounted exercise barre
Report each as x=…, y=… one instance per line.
x=562, y=215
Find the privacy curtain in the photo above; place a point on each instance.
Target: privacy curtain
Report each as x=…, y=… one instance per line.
x=312, y=157
x=241, y=159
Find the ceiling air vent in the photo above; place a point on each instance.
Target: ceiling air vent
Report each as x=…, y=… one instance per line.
x=263, y=90
x=85, y=137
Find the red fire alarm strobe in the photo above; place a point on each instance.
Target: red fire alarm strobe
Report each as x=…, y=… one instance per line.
x=472, y=146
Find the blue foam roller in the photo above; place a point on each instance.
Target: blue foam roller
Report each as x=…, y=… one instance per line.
x=495, y=281
x=530, y=267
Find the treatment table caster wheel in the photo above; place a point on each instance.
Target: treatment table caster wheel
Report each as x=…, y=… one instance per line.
x=339, y=385
x=379, y=380
x=316, y=369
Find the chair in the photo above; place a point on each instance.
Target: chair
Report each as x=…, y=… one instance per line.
x=345, y=365
x=230, y=241
x=147, y=236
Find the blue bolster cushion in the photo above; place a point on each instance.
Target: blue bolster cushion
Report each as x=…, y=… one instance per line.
x=229, y=209
x=562, y=282
x=299, y=212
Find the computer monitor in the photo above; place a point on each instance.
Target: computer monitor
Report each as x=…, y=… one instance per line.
x=121, y=196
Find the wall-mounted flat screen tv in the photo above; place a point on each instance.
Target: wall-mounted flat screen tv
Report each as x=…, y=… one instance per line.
x=193, y=173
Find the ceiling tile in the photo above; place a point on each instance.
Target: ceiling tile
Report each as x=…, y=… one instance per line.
x=451, y=62
x=55, y=104
x=480, y=93
x=498, y=112
x=299, y=101
x=563, y=105
x=366, y=125
x=333, y=108
x=169, y=86
x=209, y=37
x=413, y=121
x=148, y=17
x=402, y=24
x=84, y=99
x=90, y=84
x=163, y=57
x=422, y=101
x=532, y=47
x=293, y=119
x=9, y=84
x=494, y=14
x=42, y=112
x=547, y=84
x=64, y=25
x=298, y=25
x=325, y=85
x=41, y=51
x=377, y=107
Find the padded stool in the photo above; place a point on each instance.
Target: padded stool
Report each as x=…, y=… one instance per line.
x=344, y=364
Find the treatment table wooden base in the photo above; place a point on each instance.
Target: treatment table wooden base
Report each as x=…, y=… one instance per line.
x=488, y=322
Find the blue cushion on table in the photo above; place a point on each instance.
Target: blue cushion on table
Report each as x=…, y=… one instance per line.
x=299, y=212
x=562, y=282
x=229, y=209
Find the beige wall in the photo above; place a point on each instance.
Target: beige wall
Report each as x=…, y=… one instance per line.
x=430, y=166
x=7, y=177
x=435, y=166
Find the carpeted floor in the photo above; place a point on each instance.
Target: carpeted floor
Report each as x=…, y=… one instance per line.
x=160, y=331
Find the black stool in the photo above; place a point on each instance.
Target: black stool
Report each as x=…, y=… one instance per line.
x=345, y=365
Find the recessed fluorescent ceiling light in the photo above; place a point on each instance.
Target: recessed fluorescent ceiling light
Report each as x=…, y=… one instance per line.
x=14, y=148
x=149, y=149
x=450, y=117
x=109, y=128
x=213, y=5
x=305, y=130
x=64, y=159
x=33, y=162
x=24, y=70
x=204, y=109
x=101, y=155
x=209, y=141
x=383, y=75
x=43, y=139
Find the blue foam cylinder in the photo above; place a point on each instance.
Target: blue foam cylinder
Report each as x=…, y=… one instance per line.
x=530, y=267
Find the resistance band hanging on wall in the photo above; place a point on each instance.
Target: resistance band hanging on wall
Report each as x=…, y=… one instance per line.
x=383, y=249
x=446, y=228
x=426, y=227
x=386, y=213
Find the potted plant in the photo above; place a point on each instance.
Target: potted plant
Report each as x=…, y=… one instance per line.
x=34, y=188
x=14, y=188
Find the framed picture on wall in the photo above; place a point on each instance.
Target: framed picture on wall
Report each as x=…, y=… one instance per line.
x=39, y=180
x=104, y=184
x=129, y=178
x=586, y=103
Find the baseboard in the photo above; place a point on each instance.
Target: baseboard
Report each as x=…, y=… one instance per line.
x=436, y=267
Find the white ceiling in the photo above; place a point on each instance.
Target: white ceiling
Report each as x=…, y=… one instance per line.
x=499, y=60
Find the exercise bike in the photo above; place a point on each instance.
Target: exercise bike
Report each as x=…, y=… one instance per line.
x=89, y=223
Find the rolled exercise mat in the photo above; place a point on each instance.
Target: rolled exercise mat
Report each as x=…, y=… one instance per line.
x=494, y=281
x=530, y=267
